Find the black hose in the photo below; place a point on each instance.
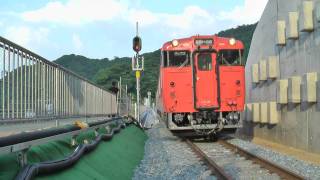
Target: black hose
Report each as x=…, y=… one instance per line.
x=134, y=121
x=96, y=123
x=29, y=136
x=32, y=170
x=130, y=120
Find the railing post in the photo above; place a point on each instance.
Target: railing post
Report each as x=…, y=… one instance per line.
x=8, y=84
x=3, y=81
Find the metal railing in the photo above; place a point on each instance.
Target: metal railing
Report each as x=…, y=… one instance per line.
x=124, y=100
x=32, y=87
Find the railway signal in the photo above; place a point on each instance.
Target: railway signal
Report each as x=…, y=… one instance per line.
x=137, y=66
x=137, y=44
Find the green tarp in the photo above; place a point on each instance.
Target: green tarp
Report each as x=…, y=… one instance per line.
x=115, y=159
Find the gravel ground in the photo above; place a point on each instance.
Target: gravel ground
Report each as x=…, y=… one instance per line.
x=234, y=165
x=305, y=169
x=167, y=157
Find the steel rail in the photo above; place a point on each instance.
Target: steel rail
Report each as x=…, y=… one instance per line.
x=216, y=169
x=272, y=167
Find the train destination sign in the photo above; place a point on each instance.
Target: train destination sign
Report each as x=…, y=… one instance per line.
x=200, y=42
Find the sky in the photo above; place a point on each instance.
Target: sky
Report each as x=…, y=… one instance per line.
x=105, y=28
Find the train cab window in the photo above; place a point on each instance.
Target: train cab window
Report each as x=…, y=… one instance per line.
x=204, y=62
x=176, y=58
x=230, y=57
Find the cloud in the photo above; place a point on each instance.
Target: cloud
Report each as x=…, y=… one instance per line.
x=191, y=16
x=144, y=17
x=26, y=36
x=20, y=35
x=79, y=12
x=76, y=12
x=156, y=26
x=250, y=12
x=191, y=19
x=77, y=43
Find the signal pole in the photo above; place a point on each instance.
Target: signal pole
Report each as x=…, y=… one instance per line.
x=137, y=66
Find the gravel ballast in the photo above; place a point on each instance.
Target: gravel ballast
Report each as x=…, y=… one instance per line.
x=303, y=168
x=167, y=157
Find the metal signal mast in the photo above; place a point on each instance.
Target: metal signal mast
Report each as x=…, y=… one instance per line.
x=137, y=66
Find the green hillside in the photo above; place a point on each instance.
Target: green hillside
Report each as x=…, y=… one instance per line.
x=82, y=65
x=243, y=33
x=104, y=71
x=122, y=67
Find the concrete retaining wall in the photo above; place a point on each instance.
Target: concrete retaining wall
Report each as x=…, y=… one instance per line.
x=282, y=74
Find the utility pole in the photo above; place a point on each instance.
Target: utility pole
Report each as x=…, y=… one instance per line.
x=137, y=66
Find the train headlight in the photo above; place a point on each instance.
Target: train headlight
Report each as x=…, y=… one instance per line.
x=234, y=102
x=232, y=41
x=175, y=43
x=235, y=116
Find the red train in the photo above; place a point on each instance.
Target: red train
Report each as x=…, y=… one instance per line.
x=201, y=88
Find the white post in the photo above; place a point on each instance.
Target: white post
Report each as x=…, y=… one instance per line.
x=119, y=97
x=127, y=101
x=149, y=99
x=120, y=89
x=138, y=96
x=135, y=110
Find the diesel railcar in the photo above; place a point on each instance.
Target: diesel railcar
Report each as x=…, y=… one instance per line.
x=201, y=87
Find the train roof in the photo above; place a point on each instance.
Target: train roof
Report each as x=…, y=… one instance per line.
x=218, y=43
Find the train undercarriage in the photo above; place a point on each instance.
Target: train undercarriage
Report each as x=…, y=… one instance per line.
x=203, y=123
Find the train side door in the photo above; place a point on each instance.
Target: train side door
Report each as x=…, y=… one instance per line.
x=205, y=81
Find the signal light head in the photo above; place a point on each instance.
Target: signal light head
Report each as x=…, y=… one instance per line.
x=136, y=44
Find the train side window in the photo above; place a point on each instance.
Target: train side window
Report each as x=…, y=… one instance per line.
x=164, y=58
x=230, y=57
x=204, y=62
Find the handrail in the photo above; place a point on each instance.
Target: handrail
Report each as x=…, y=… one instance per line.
x=16, y=46
x=32, y=87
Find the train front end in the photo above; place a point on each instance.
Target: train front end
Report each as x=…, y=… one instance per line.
x=201, y=85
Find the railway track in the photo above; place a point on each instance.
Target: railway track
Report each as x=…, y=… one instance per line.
x=227, y=161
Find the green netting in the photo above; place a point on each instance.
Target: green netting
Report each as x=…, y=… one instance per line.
x=111, y=160
x=8, y=167
x=115, y=159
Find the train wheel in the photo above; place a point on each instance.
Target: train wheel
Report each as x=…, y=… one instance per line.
x=167, y=120
x=213, y=137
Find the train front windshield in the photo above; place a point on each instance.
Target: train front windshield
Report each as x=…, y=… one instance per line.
x=231, y=57
x=176, y=58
